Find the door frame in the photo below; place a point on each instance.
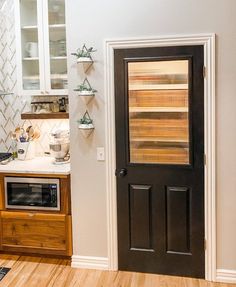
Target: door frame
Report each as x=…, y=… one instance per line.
x=208, y=41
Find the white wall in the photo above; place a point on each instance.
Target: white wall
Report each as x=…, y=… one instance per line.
x=93, y=21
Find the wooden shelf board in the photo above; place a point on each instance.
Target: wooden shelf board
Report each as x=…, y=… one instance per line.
x=157, y=139
x=133, y=87
x=58, y=77
x=58, y=58
x=31, y=78
x=30, y=59
x=57, y=26
x=158, y=109
x=31, y=116
x=33, y=27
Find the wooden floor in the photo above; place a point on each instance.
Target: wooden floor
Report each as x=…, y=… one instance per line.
x=41, y=272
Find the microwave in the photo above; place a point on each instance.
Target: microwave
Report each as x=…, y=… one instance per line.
x=32, y=193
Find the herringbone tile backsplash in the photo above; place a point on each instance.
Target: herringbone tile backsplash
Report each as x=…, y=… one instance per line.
x=11, y=106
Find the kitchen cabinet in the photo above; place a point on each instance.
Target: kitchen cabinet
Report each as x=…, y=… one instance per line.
x=32, y=232
x=37, y=231
x=1, y=193
x=41, y=47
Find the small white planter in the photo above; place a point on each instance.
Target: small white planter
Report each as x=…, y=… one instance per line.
x=86, y=96
x=86, y=93
x=86, y=129
x=84, y=60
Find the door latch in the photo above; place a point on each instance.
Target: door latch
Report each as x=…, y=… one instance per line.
x=121, y=172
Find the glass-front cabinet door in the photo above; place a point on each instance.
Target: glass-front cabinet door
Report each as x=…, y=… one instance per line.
x=56, y=63
x=29, y=46
x=41, y=47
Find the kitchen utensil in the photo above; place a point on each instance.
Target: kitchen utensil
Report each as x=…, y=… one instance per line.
x=23, y=135
x=30, y=132
x=13, y=135
x=18, y=133
x=35, y=135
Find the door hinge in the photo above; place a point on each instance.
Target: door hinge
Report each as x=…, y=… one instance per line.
x=204, y=71
x=205, y=159
x=205, y=244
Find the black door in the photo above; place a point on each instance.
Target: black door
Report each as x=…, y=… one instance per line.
x=159, y=99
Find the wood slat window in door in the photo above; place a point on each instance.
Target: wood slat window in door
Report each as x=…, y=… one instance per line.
x=158, y=97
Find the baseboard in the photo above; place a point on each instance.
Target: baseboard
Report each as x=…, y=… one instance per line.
x=226, y=276
x=89, y=262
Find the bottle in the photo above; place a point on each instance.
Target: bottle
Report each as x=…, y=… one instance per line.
x=14, y=148
x=62, y=104
x=55, y=107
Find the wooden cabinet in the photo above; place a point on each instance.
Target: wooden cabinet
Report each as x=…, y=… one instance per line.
x=1, y=193
x=41, y=41
x=36, y=232
x=41, y=232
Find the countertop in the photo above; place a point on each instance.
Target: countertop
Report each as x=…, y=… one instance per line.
x=41, y=165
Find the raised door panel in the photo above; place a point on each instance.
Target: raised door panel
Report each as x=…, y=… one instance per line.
x=140, y=217
x=36, y=233
x=178, y=213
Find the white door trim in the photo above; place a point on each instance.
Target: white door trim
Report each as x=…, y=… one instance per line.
x=208, y=41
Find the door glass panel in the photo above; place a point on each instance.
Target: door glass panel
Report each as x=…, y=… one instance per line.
x=57, y=44
x=158, y=93
x=30, y=52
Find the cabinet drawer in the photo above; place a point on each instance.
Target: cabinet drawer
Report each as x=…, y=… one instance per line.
x=36, y=233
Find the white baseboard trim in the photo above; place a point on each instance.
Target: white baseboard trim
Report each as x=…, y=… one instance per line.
x=89, y=262
x=226, y=276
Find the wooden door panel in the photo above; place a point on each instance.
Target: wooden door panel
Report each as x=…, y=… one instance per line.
x=140, y=211
x=160, y=146
x=178, y=215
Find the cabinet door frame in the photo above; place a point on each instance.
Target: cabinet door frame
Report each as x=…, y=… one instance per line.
x=19, y=52
x=208, y=41
x=44, y=56
x=41, y=45
x=48, y=89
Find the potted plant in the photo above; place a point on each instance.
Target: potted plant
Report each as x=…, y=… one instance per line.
x=85, y=90
x=86, y=124
x=84, y=54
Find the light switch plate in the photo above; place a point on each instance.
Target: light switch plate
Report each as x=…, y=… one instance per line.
x=100, y=154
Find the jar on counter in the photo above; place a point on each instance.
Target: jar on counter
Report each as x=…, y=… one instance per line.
x=55, y=107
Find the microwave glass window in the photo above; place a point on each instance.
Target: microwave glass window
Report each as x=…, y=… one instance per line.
x=28, y=194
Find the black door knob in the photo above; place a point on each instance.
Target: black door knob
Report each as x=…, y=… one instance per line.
x=121, y=172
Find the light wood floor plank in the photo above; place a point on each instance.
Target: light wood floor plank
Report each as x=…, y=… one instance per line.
x=29, y=271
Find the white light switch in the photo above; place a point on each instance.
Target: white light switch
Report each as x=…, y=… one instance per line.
x=100, y=154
